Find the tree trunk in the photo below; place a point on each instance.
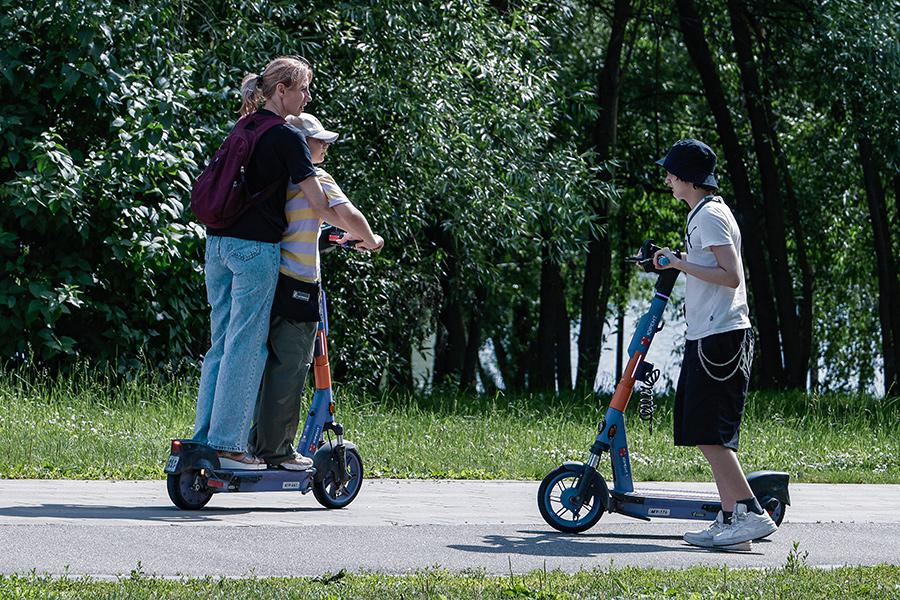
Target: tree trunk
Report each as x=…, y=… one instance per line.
x=563, y=335
x=896, y=226
x=792, y=205
x=523, y=359
x=400, y=364
x=624, y=274
x=553, y=367
x=805, y=301
x=450, y=344
x=790, y=329
x=503, y=364
x=888, y=284
x=595, y=289
x=473, y=343
x=770, y=366
x=450, y=351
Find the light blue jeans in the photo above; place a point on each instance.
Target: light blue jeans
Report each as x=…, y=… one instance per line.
x=240, y=284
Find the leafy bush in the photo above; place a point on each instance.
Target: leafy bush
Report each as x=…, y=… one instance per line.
x=118, y=105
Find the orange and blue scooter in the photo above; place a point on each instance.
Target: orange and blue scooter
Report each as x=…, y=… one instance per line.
x=194, y=474
x=574, y=496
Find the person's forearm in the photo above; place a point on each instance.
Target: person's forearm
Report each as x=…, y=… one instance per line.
x=355, y=223
x=716, y=274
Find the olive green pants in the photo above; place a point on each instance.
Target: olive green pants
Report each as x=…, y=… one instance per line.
x=277, y=414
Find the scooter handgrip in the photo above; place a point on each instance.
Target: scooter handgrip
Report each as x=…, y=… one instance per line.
x=335, y=239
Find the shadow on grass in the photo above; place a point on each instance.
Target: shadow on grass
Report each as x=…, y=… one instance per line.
x=542, y=543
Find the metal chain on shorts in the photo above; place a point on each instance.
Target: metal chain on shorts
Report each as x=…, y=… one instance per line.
x=744, y=354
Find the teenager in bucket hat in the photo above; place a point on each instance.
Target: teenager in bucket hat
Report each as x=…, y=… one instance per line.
x=715, y=372
x=692, y=161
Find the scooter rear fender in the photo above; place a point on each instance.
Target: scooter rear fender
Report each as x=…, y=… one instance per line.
x=770, y=483
x=196, y=456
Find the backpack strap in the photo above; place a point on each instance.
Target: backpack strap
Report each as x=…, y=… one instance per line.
x=260, y=124
x=706, y=200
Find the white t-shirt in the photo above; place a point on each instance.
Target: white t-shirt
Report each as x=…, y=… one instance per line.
x=711, y=308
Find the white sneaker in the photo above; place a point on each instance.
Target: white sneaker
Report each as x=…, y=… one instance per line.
x=240, y=461
x=704, y=538
x=745, y=526
x=298, y=463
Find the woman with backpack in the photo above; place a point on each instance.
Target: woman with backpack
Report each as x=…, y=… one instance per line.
x=242, y=256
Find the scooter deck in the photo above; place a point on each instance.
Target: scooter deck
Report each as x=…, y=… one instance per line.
x=672, y=504
x=680, y=494
x=264, y=480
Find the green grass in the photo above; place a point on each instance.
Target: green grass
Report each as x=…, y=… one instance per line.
x=92, y=426
x=793, y=581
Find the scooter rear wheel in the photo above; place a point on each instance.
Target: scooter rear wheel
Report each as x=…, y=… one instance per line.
x=776, y=509
x=328, y=490
x=554, y=502
x=182, y=493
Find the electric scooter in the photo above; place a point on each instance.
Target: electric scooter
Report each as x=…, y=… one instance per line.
x=574, y=496
x=194, y=474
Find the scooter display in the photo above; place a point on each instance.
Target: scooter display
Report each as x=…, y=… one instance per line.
x=574, y=496
x=194, y=474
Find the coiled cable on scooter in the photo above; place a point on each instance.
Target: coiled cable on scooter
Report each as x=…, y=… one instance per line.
x=645, y=399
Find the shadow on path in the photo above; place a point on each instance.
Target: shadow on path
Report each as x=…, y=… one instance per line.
x=166, y=514
x=542, y=543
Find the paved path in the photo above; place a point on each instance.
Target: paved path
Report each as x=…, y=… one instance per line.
x=106, y=528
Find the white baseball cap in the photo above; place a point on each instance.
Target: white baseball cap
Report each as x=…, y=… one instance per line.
x=310, y=126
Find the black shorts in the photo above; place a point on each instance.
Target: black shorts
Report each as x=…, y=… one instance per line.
x=708, y=411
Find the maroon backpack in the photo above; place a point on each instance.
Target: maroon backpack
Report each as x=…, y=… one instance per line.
x=220, y=195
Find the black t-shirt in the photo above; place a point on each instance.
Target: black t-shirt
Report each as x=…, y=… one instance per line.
x=280, y=154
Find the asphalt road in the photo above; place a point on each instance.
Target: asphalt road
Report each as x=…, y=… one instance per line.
x=105, y=529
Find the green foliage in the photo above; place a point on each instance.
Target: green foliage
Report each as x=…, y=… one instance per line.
x=466, y=138
x=102, y=258
x=99, y=260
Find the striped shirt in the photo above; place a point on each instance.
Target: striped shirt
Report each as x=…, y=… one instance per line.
x=300, y=244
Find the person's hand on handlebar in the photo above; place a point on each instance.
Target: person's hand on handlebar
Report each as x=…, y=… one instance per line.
x=376, y=244
x=671, y=261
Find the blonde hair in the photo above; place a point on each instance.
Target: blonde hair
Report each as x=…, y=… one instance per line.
x=256, y=89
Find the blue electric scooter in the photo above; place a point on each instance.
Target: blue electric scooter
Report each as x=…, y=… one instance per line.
x=574, y=496
x=194, y=473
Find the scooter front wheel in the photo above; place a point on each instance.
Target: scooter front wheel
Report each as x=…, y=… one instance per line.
x=556, y=501
x=186, y=492
x=329, y=491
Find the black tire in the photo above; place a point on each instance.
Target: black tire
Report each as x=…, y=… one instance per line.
x=182, y=493
x=775, y=507
x=555, y=512
x=327, y=491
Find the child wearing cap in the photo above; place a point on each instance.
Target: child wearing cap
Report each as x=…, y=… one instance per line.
x=295, y=310
x=715, y=372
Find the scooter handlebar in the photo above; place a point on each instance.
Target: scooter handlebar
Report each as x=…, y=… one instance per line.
x=330, y=236
x=644, y=259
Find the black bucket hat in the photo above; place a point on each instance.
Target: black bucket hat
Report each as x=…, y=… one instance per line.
x=692, y=161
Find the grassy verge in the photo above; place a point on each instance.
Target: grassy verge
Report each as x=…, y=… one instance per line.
x=87, y=425
x=793, y=581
